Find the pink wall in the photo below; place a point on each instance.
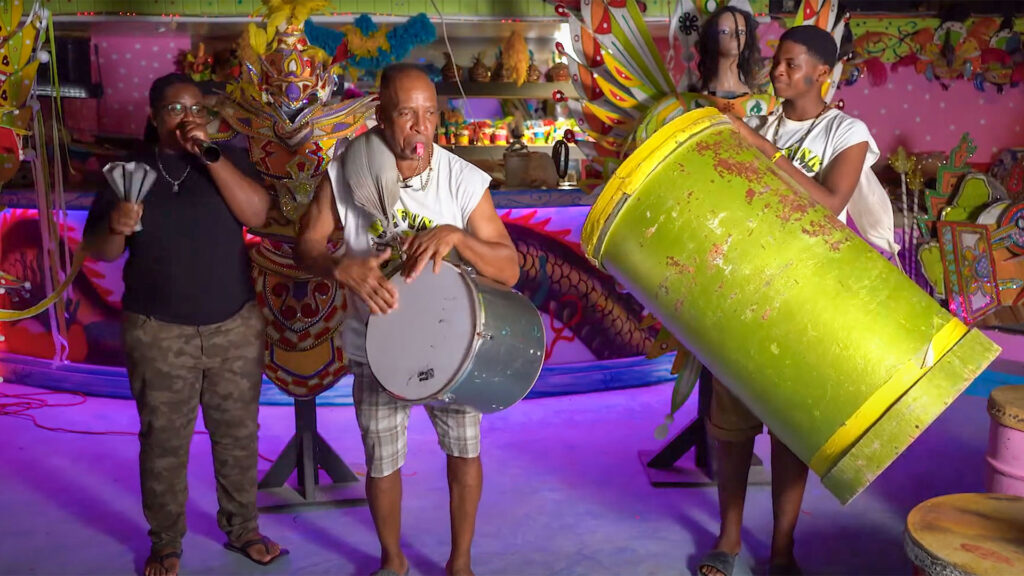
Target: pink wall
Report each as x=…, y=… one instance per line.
x=908, y=110
x=128, y=65
x=921, y=116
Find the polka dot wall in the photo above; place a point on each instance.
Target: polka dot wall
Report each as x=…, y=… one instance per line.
x=127, y=65
x=919, y=115
x=908, y=110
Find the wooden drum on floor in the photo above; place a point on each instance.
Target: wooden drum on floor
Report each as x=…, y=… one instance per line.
x=967, y=534
x=1004, y=473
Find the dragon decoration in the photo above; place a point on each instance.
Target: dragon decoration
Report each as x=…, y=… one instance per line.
x=626, y=93
x=983, y=51
x=283, y=104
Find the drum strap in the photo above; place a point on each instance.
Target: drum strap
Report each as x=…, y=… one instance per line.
x=902, y=380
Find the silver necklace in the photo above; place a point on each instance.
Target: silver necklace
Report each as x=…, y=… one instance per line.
x=174, y=183
x=796, y=149
x=419, y=166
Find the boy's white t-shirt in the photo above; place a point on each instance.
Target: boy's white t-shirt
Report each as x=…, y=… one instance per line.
x=452, y=193
x=834, y=131
x=829, y=135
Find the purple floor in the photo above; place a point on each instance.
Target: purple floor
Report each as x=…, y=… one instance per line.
x=564, y=494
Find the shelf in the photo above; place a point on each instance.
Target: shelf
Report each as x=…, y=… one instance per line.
x=150, y=21
x=485, y=152
x=505, y=90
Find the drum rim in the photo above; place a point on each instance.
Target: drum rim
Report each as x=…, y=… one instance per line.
x=932, y=562
x=636, y=169
x=468, y=277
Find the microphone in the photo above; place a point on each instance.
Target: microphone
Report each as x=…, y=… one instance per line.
x=208, y=151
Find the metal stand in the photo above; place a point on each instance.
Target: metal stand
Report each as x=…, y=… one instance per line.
x=663, y=467
x=306, y=454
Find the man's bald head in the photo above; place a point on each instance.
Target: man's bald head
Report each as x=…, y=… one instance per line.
x=407, y=111
x=402, y=77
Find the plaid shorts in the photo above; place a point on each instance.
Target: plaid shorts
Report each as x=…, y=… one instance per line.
x=383, y=423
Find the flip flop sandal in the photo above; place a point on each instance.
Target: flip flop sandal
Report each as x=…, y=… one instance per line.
x=719, y=560
x=244, y=547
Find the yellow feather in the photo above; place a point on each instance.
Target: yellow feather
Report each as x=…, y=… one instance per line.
x=257, y=38
x=305, y=8
x=316, y=54
x=246, y=52
x=290, y=12
x=276, y=19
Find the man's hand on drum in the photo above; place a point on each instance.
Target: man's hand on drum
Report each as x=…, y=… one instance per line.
x=363, y=277
x=422, y=247
x=752, y=137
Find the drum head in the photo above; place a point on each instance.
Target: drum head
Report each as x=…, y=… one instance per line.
x=420, y=348
x=967, y=534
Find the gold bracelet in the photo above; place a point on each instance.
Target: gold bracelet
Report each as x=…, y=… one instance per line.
x=778, y=154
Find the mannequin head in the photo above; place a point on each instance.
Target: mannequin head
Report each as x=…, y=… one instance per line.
x=729, y=34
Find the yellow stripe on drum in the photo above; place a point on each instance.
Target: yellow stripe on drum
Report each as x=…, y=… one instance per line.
x=883, y=398
x=631, y=174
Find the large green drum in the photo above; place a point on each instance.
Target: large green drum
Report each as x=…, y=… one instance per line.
x=843, y=357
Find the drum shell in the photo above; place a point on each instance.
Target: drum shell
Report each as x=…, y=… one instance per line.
x=801, y=319
x=1004, y=473
x=508, y=353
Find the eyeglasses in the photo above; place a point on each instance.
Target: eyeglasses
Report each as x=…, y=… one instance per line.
x=177, y=110
x=738, y=33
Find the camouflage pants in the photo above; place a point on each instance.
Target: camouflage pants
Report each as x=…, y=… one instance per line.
x=173, y=369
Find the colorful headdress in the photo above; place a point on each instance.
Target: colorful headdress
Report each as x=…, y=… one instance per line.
x=280, y=69
x=292, y=78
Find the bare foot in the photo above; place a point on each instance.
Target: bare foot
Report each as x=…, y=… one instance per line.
x=258, y=548
x=397, y=566
x=163, y=562
x=458, y=569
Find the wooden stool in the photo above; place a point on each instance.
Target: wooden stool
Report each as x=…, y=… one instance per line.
x=967, y=534
x=1005, y=471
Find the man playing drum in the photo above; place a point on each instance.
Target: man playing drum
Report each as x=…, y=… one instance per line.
x=443, y=204
x=825, y=152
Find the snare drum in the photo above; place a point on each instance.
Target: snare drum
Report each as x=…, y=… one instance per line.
x=457, y=338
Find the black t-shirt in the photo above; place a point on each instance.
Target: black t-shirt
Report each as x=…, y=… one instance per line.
x=189, y=264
